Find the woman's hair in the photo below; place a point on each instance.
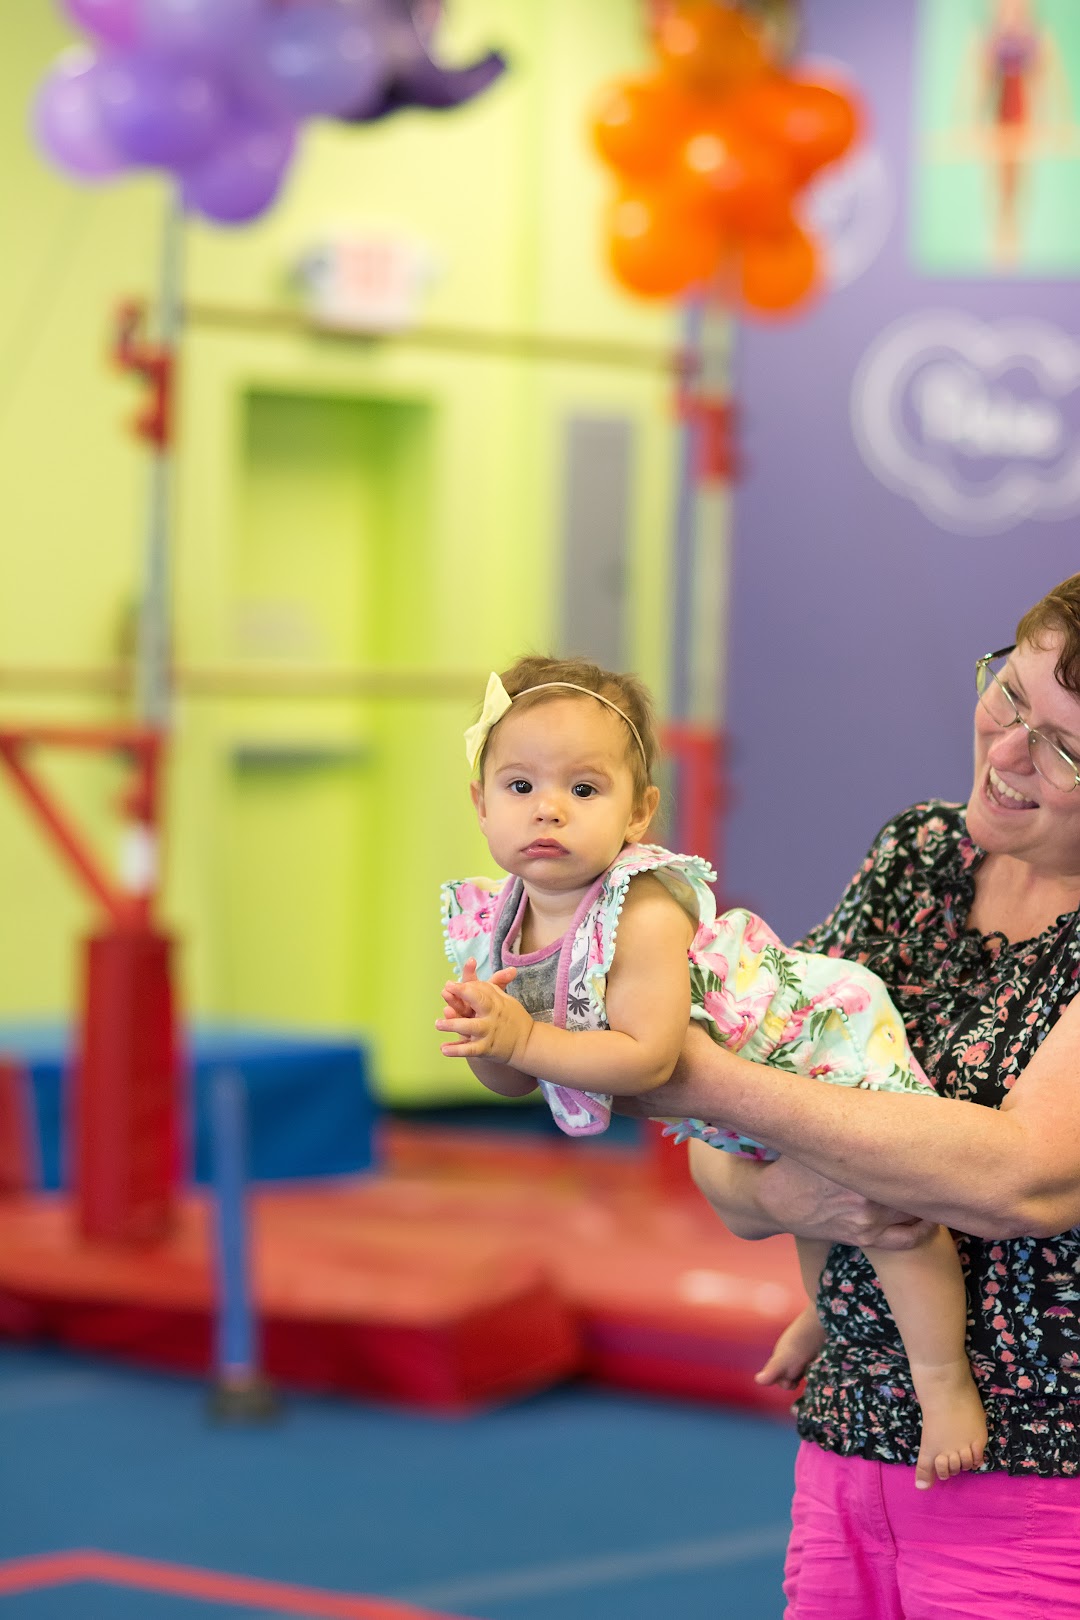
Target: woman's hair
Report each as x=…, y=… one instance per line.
x=1057, y=614
x=625, y=691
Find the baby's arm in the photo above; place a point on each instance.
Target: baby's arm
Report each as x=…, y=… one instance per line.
x=648, y=1009
x=804, y=1338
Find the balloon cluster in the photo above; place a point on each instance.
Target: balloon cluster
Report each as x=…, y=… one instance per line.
x=711, y=152
x=215, y=91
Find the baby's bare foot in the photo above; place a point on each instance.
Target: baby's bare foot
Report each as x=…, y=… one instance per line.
x=953, y=1422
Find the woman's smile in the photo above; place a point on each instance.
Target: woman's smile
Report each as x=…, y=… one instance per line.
x=1004, y=797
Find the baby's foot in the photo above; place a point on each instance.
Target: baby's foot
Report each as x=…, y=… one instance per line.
x=793, y=1351
x=953, y=1422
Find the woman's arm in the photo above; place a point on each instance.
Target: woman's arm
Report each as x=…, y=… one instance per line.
x=1008, y=1172
x=757, y=1200
x=648, y=1008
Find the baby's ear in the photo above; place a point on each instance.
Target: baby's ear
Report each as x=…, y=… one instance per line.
x=644, y=812
x=476, y=794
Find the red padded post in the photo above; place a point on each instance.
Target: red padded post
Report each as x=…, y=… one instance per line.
x=20, y=1171
x=126, y=1089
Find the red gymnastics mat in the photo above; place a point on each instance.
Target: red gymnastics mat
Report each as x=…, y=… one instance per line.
x=468, y=1270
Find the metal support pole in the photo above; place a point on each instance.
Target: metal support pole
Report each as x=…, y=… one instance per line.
x=153, y=642
x=239, y=1392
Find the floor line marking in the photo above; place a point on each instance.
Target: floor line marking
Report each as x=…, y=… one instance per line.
x=715, y=1553
x=212, y=1586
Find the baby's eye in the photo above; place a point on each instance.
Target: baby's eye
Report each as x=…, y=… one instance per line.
x=519, y=785
x=583, y=790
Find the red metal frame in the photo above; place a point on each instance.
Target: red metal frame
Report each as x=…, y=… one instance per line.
x=698, y=754
x=156, y=364
x=123, y=1119
x=143, y=747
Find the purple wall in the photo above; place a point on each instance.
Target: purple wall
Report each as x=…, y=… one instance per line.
x=869, y=575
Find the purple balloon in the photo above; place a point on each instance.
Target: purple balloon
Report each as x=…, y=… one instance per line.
x=200, y=30
x=317, y=60
x=242, y=177
x=67, y=118
x=114, y=22
x=160, y=112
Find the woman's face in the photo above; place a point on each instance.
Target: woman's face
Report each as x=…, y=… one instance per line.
x=1012, y=809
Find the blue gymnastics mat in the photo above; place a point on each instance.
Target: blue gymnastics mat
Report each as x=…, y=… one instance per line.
x=310, y=1107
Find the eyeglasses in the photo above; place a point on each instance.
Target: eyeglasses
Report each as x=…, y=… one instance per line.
x=1053, y=764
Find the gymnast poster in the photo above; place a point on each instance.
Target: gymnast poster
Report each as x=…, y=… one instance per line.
x=997, y=108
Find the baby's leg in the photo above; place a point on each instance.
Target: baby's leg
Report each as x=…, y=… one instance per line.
x=802, y=1339
x=925, y=1291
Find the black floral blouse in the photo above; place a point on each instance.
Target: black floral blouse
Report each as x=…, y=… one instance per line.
x=975, y=1008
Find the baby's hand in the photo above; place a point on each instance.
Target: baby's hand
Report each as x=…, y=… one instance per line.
x=493, y=1024
x=450, y=993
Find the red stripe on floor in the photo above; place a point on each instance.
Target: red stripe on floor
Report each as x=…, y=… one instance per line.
x=212, y=1586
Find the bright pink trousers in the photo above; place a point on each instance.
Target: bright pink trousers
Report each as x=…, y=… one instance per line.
x=866, y=1545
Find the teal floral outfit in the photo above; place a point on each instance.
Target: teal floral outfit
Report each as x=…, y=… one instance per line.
x=796, y=1010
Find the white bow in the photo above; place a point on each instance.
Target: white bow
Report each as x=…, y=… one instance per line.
x=496, y=702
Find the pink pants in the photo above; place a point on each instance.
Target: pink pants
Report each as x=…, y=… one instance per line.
x=866, y=1545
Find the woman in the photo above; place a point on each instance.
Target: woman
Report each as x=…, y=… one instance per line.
x=970, y=916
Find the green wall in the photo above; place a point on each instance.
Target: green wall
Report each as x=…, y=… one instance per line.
x=340, y=504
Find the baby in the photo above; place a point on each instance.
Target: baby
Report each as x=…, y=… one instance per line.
x=580, y=972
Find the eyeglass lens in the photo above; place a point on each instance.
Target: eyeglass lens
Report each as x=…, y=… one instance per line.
x=1051, y=764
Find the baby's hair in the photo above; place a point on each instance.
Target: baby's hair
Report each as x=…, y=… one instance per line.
x=625, y=691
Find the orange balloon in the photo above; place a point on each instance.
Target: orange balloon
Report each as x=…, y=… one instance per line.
x=778, y=271
x=657, y=248
x=743, y=182
x=710, y=48
x=811, y=122
x=638, y=124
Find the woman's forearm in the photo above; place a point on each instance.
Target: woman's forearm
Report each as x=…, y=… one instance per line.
x=941, y=1160
x=756, y=1200
x=732, y=1187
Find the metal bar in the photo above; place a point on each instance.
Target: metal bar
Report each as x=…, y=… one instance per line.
x=234, y=680
x=123, y=739
x=235, y=1328
x=154, y=637
x=63, y=833
x=458, y=340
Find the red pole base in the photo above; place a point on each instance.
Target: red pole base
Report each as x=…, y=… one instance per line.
x=19, y=1167
x=126, y=1092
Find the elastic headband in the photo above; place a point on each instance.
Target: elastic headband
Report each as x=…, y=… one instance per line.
x=497, y=701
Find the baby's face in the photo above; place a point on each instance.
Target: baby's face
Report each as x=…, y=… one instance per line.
x=557, y=801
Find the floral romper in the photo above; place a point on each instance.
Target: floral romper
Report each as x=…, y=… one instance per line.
x=795, y=1010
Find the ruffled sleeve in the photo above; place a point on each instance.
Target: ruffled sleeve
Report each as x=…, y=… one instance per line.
x=469, y=909
x=686, y=877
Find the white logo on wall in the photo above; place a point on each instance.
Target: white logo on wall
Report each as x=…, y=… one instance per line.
x=850, y=211
x=976, y=422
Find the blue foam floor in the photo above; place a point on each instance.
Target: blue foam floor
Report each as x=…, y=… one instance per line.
x=581, y=1504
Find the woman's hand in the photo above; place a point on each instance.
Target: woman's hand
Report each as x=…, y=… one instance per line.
x=800, y=1201
x=762, y=1200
